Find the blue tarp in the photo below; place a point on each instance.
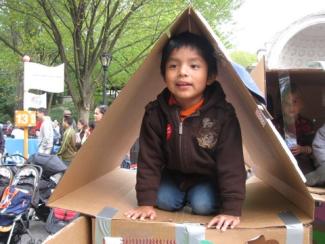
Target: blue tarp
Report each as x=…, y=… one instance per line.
x=249, y=82
x=16, y=146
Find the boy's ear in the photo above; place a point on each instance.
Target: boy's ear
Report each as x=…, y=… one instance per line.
x=211, y=79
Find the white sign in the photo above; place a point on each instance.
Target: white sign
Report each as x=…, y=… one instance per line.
x=45, y=78
x=32, y=100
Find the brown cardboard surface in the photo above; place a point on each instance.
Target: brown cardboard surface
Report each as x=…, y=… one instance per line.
x=78, y=231
x=90, y=184
x=258, y=75
x=165, y=232
x=261, y=208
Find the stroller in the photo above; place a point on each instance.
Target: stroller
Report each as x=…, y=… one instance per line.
x=18, y=197
x=53, y=169
x=6, y=177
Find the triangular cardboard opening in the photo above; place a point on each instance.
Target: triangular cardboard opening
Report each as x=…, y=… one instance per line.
x=258, y=75
x=92, y=182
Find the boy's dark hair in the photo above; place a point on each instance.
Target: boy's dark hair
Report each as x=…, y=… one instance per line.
x=187, y=39
x=68, y=120
x=42, y=110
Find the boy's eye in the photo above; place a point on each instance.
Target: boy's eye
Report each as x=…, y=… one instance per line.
x=171, y=66
x=195, y=66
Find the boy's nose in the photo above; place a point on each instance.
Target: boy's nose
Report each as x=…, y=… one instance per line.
x=183, y=71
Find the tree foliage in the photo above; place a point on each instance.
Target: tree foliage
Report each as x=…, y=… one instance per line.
x=77, y=32
x=246, y=59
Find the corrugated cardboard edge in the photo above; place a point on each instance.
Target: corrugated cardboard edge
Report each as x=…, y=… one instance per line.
x=258, y=75
x=78, y=231
x=275, y=165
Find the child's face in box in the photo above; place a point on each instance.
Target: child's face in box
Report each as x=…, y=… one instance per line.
x=186, y=76
x=292, y=105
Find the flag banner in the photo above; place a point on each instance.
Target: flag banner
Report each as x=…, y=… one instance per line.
x=32, y=100
x=45, y=78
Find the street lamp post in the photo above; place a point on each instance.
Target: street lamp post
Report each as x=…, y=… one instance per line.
x=21, y=94
x=105, y=60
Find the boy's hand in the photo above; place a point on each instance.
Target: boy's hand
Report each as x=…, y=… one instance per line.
x=141, y=213
x=222, y=222
x=296, y=150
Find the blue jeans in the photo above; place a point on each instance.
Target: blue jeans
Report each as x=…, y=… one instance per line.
x=201, y=197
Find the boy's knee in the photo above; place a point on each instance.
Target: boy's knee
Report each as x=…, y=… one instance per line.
x=203, y=208
x=169, y=202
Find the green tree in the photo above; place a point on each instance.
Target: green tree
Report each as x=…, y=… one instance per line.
x=244, y=58
x=78, y=32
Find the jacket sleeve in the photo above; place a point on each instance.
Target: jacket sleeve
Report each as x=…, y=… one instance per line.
x=319, y=146
x=231, y=174
x=150, y=160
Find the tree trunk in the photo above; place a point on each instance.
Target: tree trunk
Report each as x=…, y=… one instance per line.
x=86, y=102
x=84, y=113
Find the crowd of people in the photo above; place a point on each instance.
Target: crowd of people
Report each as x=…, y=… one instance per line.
x=63, y=139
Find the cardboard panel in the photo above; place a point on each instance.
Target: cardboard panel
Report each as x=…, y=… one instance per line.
x=261, y=208
x=141, y=232
x=78, y=231
x=104, y=150
x=258, y=75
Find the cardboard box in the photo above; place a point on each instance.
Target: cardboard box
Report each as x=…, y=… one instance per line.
x=278, y=209
x=311, y=84
x=78, y=231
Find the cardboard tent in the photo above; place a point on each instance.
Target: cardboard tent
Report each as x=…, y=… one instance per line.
x=94, y=182
x=311, y=82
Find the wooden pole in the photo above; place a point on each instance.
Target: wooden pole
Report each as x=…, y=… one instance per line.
x=25, y=142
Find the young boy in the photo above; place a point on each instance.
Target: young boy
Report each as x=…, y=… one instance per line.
x=297, y=130
x=190, y=140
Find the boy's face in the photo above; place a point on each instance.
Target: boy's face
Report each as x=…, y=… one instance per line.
x=292, y=105
x=186, y=76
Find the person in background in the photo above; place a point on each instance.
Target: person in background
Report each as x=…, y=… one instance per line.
x=34, y=131
x=99, y=112
x=82, y=134
x=91, y=127
x=57, y=136
x=319, y=147
x=17, y=133
x=317, y=177
x=8, y=128
x=2, y=144
x=45, y=134
x=68, y=113
x=190, y=140
x=68, y=148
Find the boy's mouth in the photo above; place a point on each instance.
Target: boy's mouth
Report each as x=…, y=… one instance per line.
x=183, y=84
